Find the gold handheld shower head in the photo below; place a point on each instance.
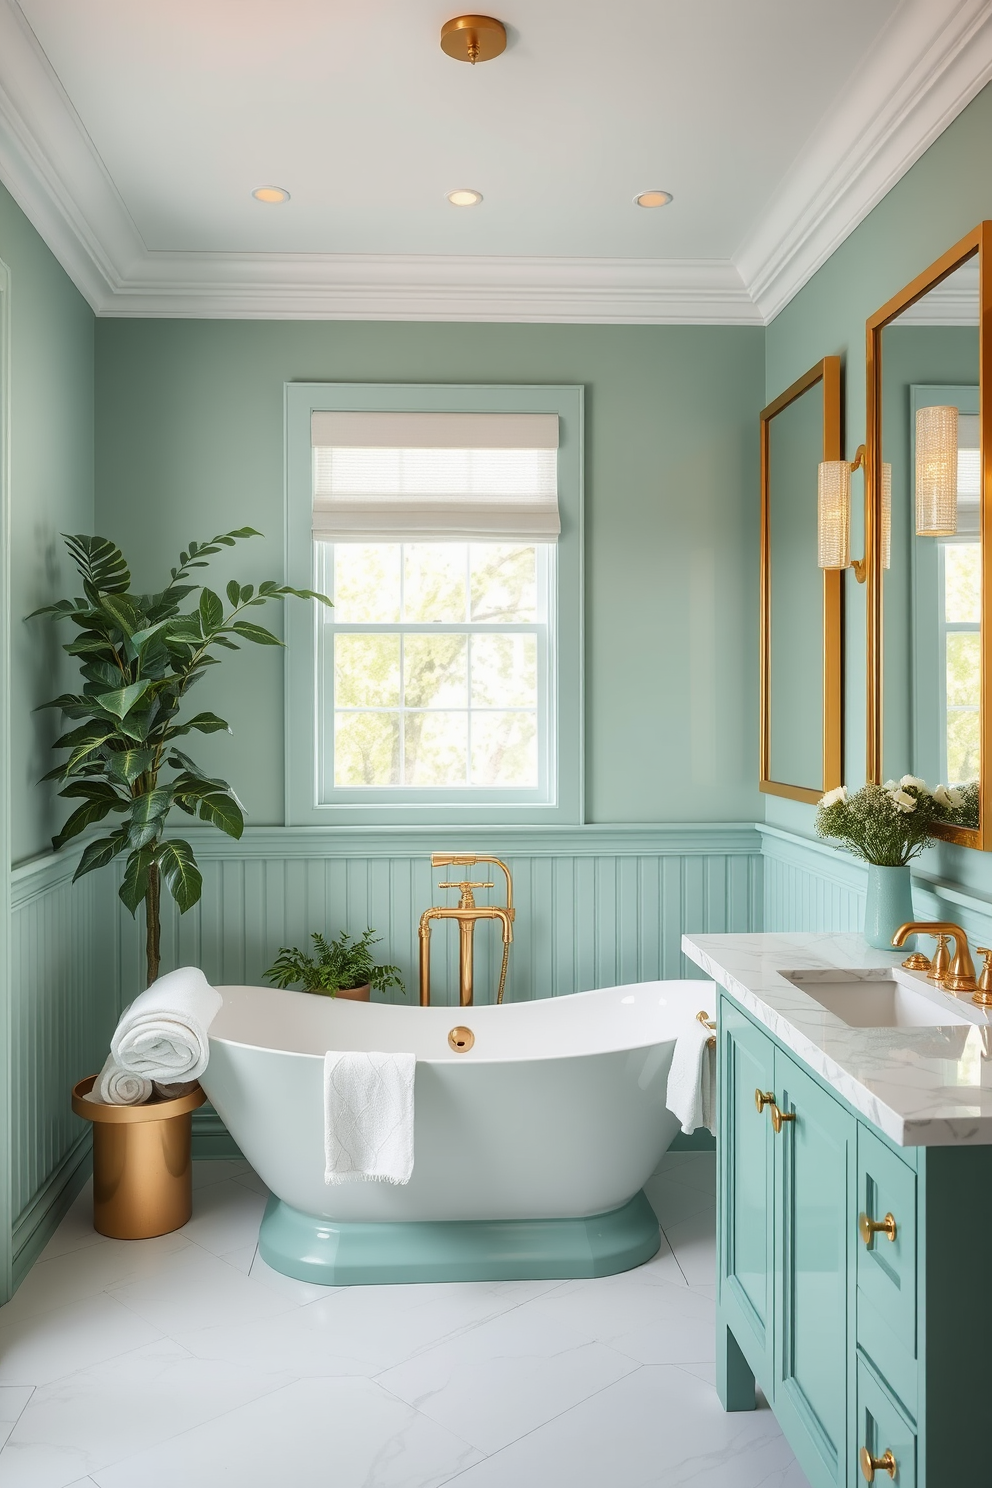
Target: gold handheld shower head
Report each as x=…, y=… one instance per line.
x=445, y=860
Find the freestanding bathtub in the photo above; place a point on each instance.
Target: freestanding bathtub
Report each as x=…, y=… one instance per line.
x=530, y=1148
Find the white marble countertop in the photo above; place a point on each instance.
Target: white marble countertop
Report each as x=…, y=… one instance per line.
x=921, y=1086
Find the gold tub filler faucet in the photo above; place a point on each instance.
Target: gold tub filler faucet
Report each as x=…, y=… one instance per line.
x=467, y=913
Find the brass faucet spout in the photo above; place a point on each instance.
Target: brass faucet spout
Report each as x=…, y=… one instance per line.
x=961, y=973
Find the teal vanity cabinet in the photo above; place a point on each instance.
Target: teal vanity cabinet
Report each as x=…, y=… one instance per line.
x=874, y=1352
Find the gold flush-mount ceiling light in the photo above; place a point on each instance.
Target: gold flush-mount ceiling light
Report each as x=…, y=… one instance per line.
x=653, y=199
x=272, y=195
x=473, y=38
x=464, y=197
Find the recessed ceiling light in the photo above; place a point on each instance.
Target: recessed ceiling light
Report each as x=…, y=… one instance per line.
x=464, y=198
x=653, y=199
x=271, y=194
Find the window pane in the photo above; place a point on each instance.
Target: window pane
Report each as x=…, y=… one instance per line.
x=434, y=582
x=366, y=671
x=504, y=582
x=964, y=662
x=962, y=747
x=504, y=749
x=436, y=749
x=962, y=583
x=366, y=749
x=504, y=671
x=366, y=583
x=435, y=671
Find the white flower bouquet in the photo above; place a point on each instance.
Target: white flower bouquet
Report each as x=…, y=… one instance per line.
x=890, y=824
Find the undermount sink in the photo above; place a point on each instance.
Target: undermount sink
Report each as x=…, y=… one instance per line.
x=875, y=999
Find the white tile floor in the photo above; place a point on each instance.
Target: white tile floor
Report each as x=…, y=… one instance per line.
x=185, y=1360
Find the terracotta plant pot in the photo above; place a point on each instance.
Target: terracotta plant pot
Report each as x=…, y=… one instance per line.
x=356, y=994
x=142, y=1169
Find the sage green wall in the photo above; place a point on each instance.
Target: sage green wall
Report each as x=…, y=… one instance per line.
x=51, y=491
x=942, y=197
x=190, y=442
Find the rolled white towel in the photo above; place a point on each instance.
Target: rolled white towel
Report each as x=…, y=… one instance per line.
x=368, y=1117
x=163, y=1034
x=692, y=1080
x=173, y=1089
x=114, y=1086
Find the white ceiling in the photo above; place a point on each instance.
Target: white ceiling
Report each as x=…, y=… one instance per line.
x=133, y=135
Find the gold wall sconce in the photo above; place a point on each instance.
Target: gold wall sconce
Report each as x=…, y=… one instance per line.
x=473, y=38
x=833, y=514
x=936, y=471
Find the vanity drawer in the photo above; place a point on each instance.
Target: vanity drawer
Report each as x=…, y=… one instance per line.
x=896, y=1365
x=884, y=1436
x=887, y=1267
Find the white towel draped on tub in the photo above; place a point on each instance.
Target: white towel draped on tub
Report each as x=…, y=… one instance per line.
x=368, y=1117
x=114, y=1086
x=163, y=1034
x=692, y=1080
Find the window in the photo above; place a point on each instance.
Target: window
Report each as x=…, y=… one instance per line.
x=961, y=638
x=445, y=683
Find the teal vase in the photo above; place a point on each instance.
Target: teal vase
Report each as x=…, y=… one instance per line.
x=888, y=904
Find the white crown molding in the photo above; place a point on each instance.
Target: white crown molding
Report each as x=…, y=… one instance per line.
x=429, y=287
x=936, y=56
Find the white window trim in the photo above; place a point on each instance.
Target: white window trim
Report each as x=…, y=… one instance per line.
x=463, y=807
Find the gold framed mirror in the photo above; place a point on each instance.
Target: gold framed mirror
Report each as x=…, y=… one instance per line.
x=929, y=600
x=801, y=682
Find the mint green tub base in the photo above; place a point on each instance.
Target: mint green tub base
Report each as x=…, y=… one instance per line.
x=321, y=1250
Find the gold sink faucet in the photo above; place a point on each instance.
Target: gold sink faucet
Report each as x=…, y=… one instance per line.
x=467, y=913
x=960, y=976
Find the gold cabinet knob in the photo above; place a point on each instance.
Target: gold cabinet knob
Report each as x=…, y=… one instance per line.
x=779, y=1118
x=763, y=1098
x=868, y=1227
x=871, y=1465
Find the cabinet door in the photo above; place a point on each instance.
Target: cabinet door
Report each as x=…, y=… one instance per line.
x=815, y=1161
x=746, y=1189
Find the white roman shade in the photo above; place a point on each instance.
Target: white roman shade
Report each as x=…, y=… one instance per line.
x=969, y=476
x=435, y=477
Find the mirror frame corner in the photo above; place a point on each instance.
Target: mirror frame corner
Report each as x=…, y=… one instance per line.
x=827, y=372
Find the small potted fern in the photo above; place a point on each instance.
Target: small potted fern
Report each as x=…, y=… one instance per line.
x=338, y=968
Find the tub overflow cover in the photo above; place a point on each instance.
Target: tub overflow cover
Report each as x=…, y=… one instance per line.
x=461, y=1039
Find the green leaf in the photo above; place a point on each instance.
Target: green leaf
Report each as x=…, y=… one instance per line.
x=99, y=853
x=123, y=613
x=87, y=745
x=247, y=591
x=256, y=633
x=122, y=699
x=141, y=638
x=135, y=885
x=148, y=813
x=83, y=817
x=211, y=611
x=100, y=562
x=222, y=811
x=204, y=723
x=95, y=790
x=234, y=592
x=127, y=764
x=180, y=872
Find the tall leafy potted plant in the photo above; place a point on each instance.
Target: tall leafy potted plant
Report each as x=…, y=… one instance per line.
x=139, y=655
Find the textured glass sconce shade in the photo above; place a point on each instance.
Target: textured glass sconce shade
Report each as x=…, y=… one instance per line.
x=886, y=515
x=833, y=514
x=936, y=471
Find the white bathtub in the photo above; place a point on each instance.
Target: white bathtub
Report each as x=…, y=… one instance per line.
x=537, y=1141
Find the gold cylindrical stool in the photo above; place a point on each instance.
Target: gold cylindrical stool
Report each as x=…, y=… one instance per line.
x=142, y=1167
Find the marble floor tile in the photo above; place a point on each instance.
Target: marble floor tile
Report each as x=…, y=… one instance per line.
x=219, y=1170
x=242, y=1258
x=506, y=1377
x=43, y=1346
x=76, y=1230
x=348, y=1432
x=251, y=1180
x=226, y=1215
x=69, y=1277
x=655, y=1428
x=13, y=1399
x=297, y=1292
x=90, y=1419
x=194, y=1289
x=660, y=1324
x=694, y=1242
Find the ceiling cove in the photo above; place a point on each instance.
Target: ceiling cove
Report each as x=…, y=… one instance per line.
x=559, y=144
